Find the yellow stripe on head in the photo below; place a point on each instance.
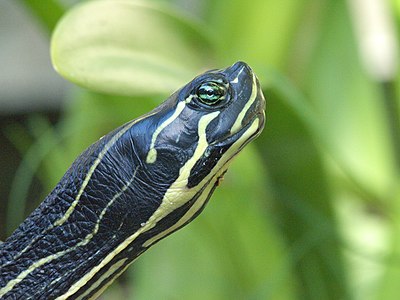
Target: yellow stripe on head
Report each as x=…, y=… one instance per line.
x=238, y=123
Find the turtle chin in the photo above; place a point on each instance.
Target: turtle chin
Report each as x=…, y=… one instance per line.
x=245, y=135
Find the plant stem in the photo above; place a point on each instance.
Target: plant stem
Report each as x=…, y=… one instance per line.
x=392, y=112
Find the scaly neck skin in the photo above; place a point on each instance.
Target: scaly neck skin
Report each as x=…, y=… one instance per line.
x=75, y=252
x=63, y=244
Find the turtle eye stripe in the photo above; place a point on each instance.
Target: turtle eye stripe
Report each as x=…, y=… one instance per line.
x=152, y=154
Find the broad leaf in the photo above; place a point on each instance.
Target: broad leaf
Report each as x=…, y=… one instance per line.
x=128, y=48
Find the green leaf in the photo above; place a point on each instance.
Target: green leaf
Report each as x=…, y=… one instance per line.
x=128, y=47
x=47, y=11
x=389, y=281
x=303, y=202
x=257, y=32
x=46, y=140
x=351, y=106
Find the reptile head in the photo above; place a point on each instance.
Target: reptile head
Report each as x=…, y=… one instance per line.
x=192, y=137
x=210, y=118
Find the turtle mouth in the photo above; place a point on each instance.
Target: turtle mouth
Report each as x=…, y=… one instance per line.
x=246, y=134
x=219, y=153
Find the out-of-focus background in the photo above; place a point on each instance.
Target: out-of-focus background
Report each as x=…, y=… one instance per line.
x=311, y=210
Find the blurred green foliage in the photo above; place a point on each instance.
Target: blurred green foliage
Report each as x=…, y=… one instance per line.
x=309, y=211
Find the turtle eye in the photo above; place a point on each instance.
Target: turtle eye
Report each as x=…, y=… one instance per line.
x=211, y=92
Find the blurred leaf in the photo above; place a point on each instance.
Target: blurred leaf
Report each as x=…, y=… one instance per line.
x=44, y=143
x=303, y=109
x=19, y=137
x=303, y=203
x=47, y=11
x=350, y=105
x=389, y=283
x=126, y=47
x=257, y=32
